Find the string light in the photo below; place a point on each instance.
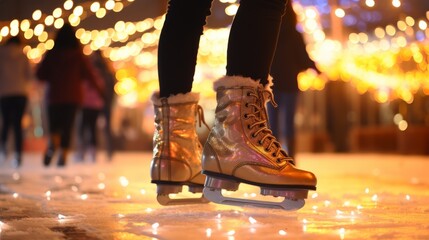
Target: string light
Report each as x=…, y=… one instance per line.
x=68, y=4
x=352, y=64
x=37, y=14
x=95, y=6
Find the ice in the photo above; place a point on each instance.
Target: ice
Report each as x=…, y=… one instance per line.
x=359, y=196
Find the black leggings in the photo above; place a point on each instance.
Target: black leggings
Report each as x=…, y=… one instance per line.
x=251, y=43
x=12, y=109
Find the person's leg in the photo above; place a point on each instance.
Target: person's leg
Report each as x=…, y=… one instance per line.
x=178, y=45
x=80, y=135
x=253, y=38
x=92, y=133
x=54, y=112
x=107, y=112
x=241, y=147
x=20, y=103
x=67, y=122
x=176, y=160
x=5, y=108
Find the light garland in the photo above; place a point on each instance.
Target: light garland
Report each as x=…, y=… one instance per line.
x=36, y=27
x=391, y=62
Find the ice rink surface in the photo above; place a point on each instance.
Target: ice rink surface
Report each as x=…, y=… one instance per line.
x=359, y=196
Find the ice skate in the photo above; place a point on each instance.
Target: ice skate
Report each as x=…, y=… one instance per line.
x=176, y=148
x=17, y=160
x=49, y=154
x=241, y=149
x=62, y=158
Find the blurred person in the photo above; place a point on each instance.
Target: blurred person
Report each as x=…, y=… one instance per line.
x=64, y=69
x=240, y=147
x=92, y=107
x=109, y=80
x=290, y=59
x=15, y=74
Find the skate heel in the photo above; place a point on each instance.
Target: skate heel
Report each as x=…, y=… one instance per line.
x=218, y=183
x=164, y=190
x=195, y=189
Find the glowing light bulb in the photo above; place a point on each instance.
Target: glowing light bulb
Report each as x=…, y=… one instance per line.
x=396, y=3
x=78, y=11
x=95, y=6
x=37, y=14
x=339, y=12
x=68, y=4
x=59, y=23
x=57, y=12
x=110, y=4
x=49, y=20
x=4, y=31
x=100, y=13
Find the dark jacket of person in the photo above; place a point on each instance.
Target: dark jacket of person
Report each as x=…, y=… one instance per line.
x=291, y=56
x=64, y=68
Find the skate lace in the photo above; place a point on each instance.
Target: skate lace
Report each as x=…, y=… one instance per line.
x=261, y=123
x=200, y=113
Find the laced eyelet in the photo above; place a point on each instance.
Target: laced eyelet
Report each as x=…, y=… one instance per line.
x=278, y=161
x=248, y=127
x=260, y=142
x=253, y=135
x=248, y=94
x=274, y=155
x=246, y=104
x=246, y=116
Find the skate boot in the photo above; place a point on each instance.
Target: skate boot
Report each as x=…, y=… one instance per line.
x=176, y=148
x=241, y=149
x=17, y=161
x=49, y=154
x=62, y=158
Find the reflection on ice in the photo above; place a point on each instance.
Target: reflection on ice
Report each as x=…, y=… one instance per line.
x=358, y=197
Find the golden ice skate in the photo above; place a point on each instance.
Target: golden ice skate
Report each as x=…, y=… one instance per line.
x=242, y=149
x=177, y=150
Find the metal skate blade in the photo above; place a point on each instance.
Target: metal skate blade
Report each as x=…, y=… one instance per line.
x=215, y=195
x=166, y=200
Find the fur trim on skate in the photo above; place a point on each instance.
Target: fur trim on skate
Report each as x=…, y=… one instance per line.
x=178, y=98
x=238, y=81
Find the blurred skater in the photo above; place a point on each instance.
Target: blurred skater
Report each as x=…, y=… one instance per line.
x=15, y=73
x=64, y=69
x=92, y=108
x=290, y=59
x=107, y=75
